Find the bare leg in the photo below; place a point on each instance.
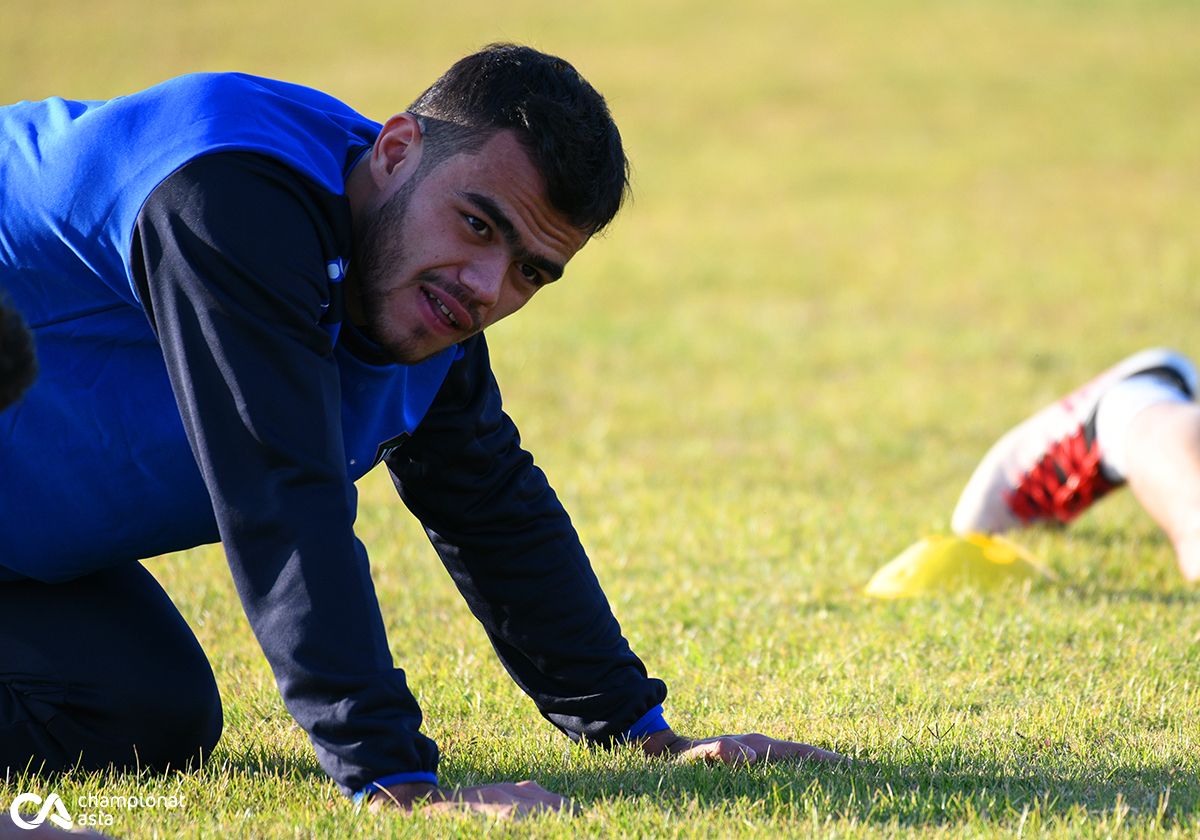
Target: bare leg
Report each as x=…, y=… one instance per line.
x=1164, y=474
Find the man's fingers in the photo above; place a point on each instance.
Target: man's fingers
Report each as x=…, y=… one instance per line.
x=770, y=749
x=534, y=795
x=529, y=788
x=531, y=791
x=812, y=753
x=492, y=808
x=724, y=750
x=532, y=807
x=749, y=749
x=504, y=800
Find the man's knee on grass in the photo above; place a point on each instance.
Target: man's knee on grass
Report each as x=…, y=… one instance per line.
x=158, y=716
x=173, y=718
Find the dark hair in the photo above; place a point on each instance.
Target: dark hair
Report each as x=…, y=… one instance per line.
x=18, y=365
x=560, y=120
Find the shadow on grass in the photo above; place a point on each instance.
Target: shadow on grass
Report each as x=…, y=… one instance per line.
x=890, y=792
x=245, y=763
x=294, y=769
x=959, y=789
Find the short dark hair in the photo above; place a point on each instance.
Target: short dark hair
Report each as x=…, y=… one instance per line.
x=18, y=364
x=561, y=121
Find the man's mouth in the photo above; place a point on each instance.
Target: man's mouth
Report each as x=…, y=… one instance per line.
x=440, y=307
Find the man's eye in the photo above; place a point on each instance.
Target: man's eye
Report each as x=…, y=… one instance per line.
x=531, y=274
x=477, y=224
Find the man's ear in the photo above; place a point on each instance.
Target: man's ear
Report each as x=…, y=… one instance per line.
x=397, y=150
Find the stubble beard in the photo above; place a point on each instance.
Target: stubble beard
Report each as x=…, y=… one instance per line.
x=378, y=248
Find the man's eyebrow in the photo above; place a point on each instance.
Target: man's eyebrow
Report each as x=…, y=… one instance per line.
x=509, y=232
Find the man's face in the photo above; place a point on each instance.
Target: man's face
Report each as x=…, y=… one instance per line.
x=448, y=252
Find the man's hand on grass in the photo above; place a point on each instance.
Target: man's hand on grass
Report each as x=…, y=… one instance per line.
x=505, y=800
x=513, y=801
x=734, y=749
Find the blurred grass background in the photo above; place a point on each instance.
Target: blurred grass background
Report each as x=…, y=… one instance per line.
x=866, y=238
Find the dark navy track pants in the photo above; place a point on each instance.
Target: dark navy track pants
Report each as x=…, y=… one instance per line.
x=100, y=672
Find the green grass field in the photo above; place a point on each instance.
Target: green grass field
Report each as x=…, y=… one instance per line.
x=867, y=238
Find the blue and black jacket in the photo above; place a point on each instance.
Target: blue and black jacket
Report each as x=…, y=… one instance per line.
x=179, y=256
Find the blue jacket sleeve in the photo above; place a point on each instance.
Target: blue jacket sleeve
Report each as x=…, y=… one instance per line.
x=230, y=256
x=511, y=549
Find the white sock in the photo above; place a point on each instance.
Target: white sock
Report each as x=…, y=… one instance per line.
x=1117, y=409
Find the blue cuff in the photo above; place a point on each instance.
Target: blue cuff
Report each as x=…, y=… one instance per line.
x=649, y=723
x=394, y=779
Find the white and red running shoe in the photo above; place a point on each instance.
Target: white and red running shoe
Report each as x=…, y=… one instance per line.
x=1048, y=468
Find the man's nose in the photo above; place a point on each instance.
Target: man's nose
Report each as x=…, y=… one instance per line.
x=483, y=279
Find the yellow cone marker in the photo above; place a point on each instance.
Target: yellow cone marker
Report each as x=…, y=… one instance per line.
x=947, y=563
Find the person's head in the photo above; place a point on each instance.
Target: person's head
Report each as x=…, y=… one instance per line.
x=478, y=195
x=18, y=364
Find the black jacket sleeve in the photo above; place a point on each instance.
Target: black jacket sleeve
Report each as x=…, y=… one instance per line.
x=230, y=258
x=512, y=551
